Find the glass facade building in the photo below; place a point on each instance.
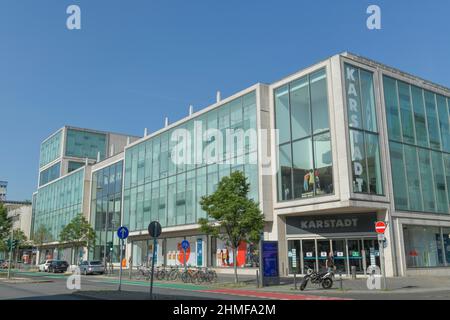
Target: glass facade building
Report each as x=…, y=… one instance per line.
x=50, y=174
x=156, y=188
x=105, y=215
x=84, y=144
x=50, y=149
x=358, y=142
x=418, y=128
x=57, y=203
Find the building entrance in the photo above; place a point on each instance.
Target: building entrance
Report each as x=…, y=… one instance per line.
x=304, y=254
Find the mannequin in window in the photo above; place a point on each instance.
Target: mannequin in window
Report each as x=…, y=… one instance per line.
x=306, y=182
x=311, y=180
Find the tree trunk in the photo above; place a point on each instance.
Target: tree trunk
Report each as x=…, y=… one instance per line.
x=235, y=265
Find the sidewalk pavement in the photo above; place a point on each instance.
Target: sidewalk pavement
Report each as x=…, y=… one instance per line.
x=393, y=285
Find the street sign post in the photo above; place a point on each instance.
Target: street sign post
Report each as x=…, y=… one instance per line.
x=154, y=230
x=122, y=233
x=380, y=228
x=185, y=245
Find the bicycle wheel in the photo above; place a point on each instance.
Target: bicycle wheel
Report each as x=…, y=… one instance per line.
x=185, y=277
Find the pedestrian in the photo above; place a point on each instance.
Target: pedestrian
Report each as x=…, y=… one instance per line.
x=330, y=262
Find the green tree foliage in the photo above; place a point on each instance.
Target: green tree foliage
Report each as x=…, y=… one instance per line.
x=41, y=235
x=233, y=216
x=5, y=223
x=78, y=232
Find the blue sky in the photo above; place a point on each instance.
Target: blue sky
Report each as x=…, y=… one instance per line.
x=135, y=62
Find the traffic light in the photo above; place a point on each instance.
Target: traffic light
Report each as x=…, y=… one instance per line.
x=12, y=244
x=110, y=245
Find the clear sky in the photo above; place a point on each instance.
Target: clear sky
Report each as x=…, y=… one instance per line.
x=135, y=62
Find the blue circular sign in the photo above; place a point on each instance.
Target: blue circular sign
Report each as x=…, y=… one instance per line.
x=185, y=244
x=122, y=233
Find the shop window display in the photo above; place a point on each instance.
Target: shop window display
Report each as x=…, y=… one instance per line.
x=247, y=255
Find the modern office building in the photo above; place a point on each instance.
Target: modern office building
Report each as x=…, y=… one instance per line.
x=64, y=185
x=356, y=142
x=3, y=190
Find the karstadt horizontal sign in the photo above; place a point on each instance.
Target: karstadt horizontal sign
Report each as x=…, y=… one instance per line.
x=348, y=223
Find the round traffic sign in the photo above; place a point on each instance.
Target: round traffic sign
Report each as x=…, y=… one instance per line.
x=380, y=227
x=154, y=229
x=122, y=232
x=185, y=244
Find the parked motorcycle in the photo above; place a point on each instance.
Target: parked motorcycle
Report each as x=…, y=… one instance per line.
x=325, y=279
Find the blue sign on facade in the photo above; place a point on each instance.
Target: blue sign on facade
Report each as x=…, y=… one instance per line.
x=185, y=244
x=269, y=257
x=199, y=252
x=122, y=233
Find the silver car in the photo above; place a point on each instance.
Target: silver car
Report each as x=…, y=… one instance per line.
x=92, y=267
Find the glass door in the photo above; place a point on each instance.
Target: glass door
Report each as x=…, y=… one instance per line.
x=323, y=250
x=355, y=255
x=309, y=255
x=294, y=253
x=372, y=253
x=340, y=256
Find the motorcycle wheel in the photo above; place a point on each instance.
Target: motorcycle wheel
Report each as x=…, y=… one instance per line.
x=327, y=283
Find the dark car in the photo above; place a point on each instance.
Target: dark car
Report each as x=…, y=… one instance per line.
x=58, y=266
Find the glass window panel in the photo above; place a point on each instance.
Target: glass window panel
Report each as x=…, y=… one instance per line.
x=419, y=116
x=323, y=169
x=164, y=156
x=353, y=97
x=319, y=101
x=446, y=239
x=426, y=177
x=447, y=175
x=134, y=166
x=433, y=124
x=413, y=178
x=155, y=158
x=303, y=168
x=406, y=113
x=423, y=246
x=398, y=176
x=368, y=101
x=148, y=160
x=171, y=195
x=443, y=122
x=162, y=207
x=373, y=164
x=282, y=114
x=155, y=201
x=439, y=182
x=300, y=109
x=181, y=199
x=236, y=113
x=201, y=190
x=284, y=173
x=392, y=113
x=147, y=205
x=190, y=197
x=360, y=183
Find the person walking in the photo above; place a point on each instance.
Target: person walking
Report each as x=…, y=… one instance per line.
x=330, y=262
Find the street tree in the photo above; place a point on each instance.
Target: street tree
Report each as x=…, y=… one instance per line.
x=78, y=233
x=232, y=216
x=5, y=227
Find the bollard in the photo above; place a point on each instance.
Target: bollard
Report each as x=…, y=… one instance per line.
x=353, y=272
x=295, y=282
x=257, y=278
x=340, y=280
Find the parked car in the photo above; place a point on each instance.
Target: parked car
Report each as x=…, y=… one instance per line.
x=44, y=266
x=92, y=267
x=58, y=266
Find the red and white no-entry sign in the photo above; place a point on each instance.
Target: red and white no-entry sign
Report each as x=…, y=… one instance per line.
x=380, y=227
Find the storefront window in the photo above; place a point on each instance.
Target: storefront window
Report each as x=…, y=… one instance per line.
x=423, y=246
x=247, y=255
x=305, y=158
x=294, y=253
x=446, y=241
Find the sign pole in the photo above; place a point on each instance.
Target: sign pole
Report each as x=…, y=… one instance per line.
x=153, y=267
x=120, y=271
x=10, y=253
